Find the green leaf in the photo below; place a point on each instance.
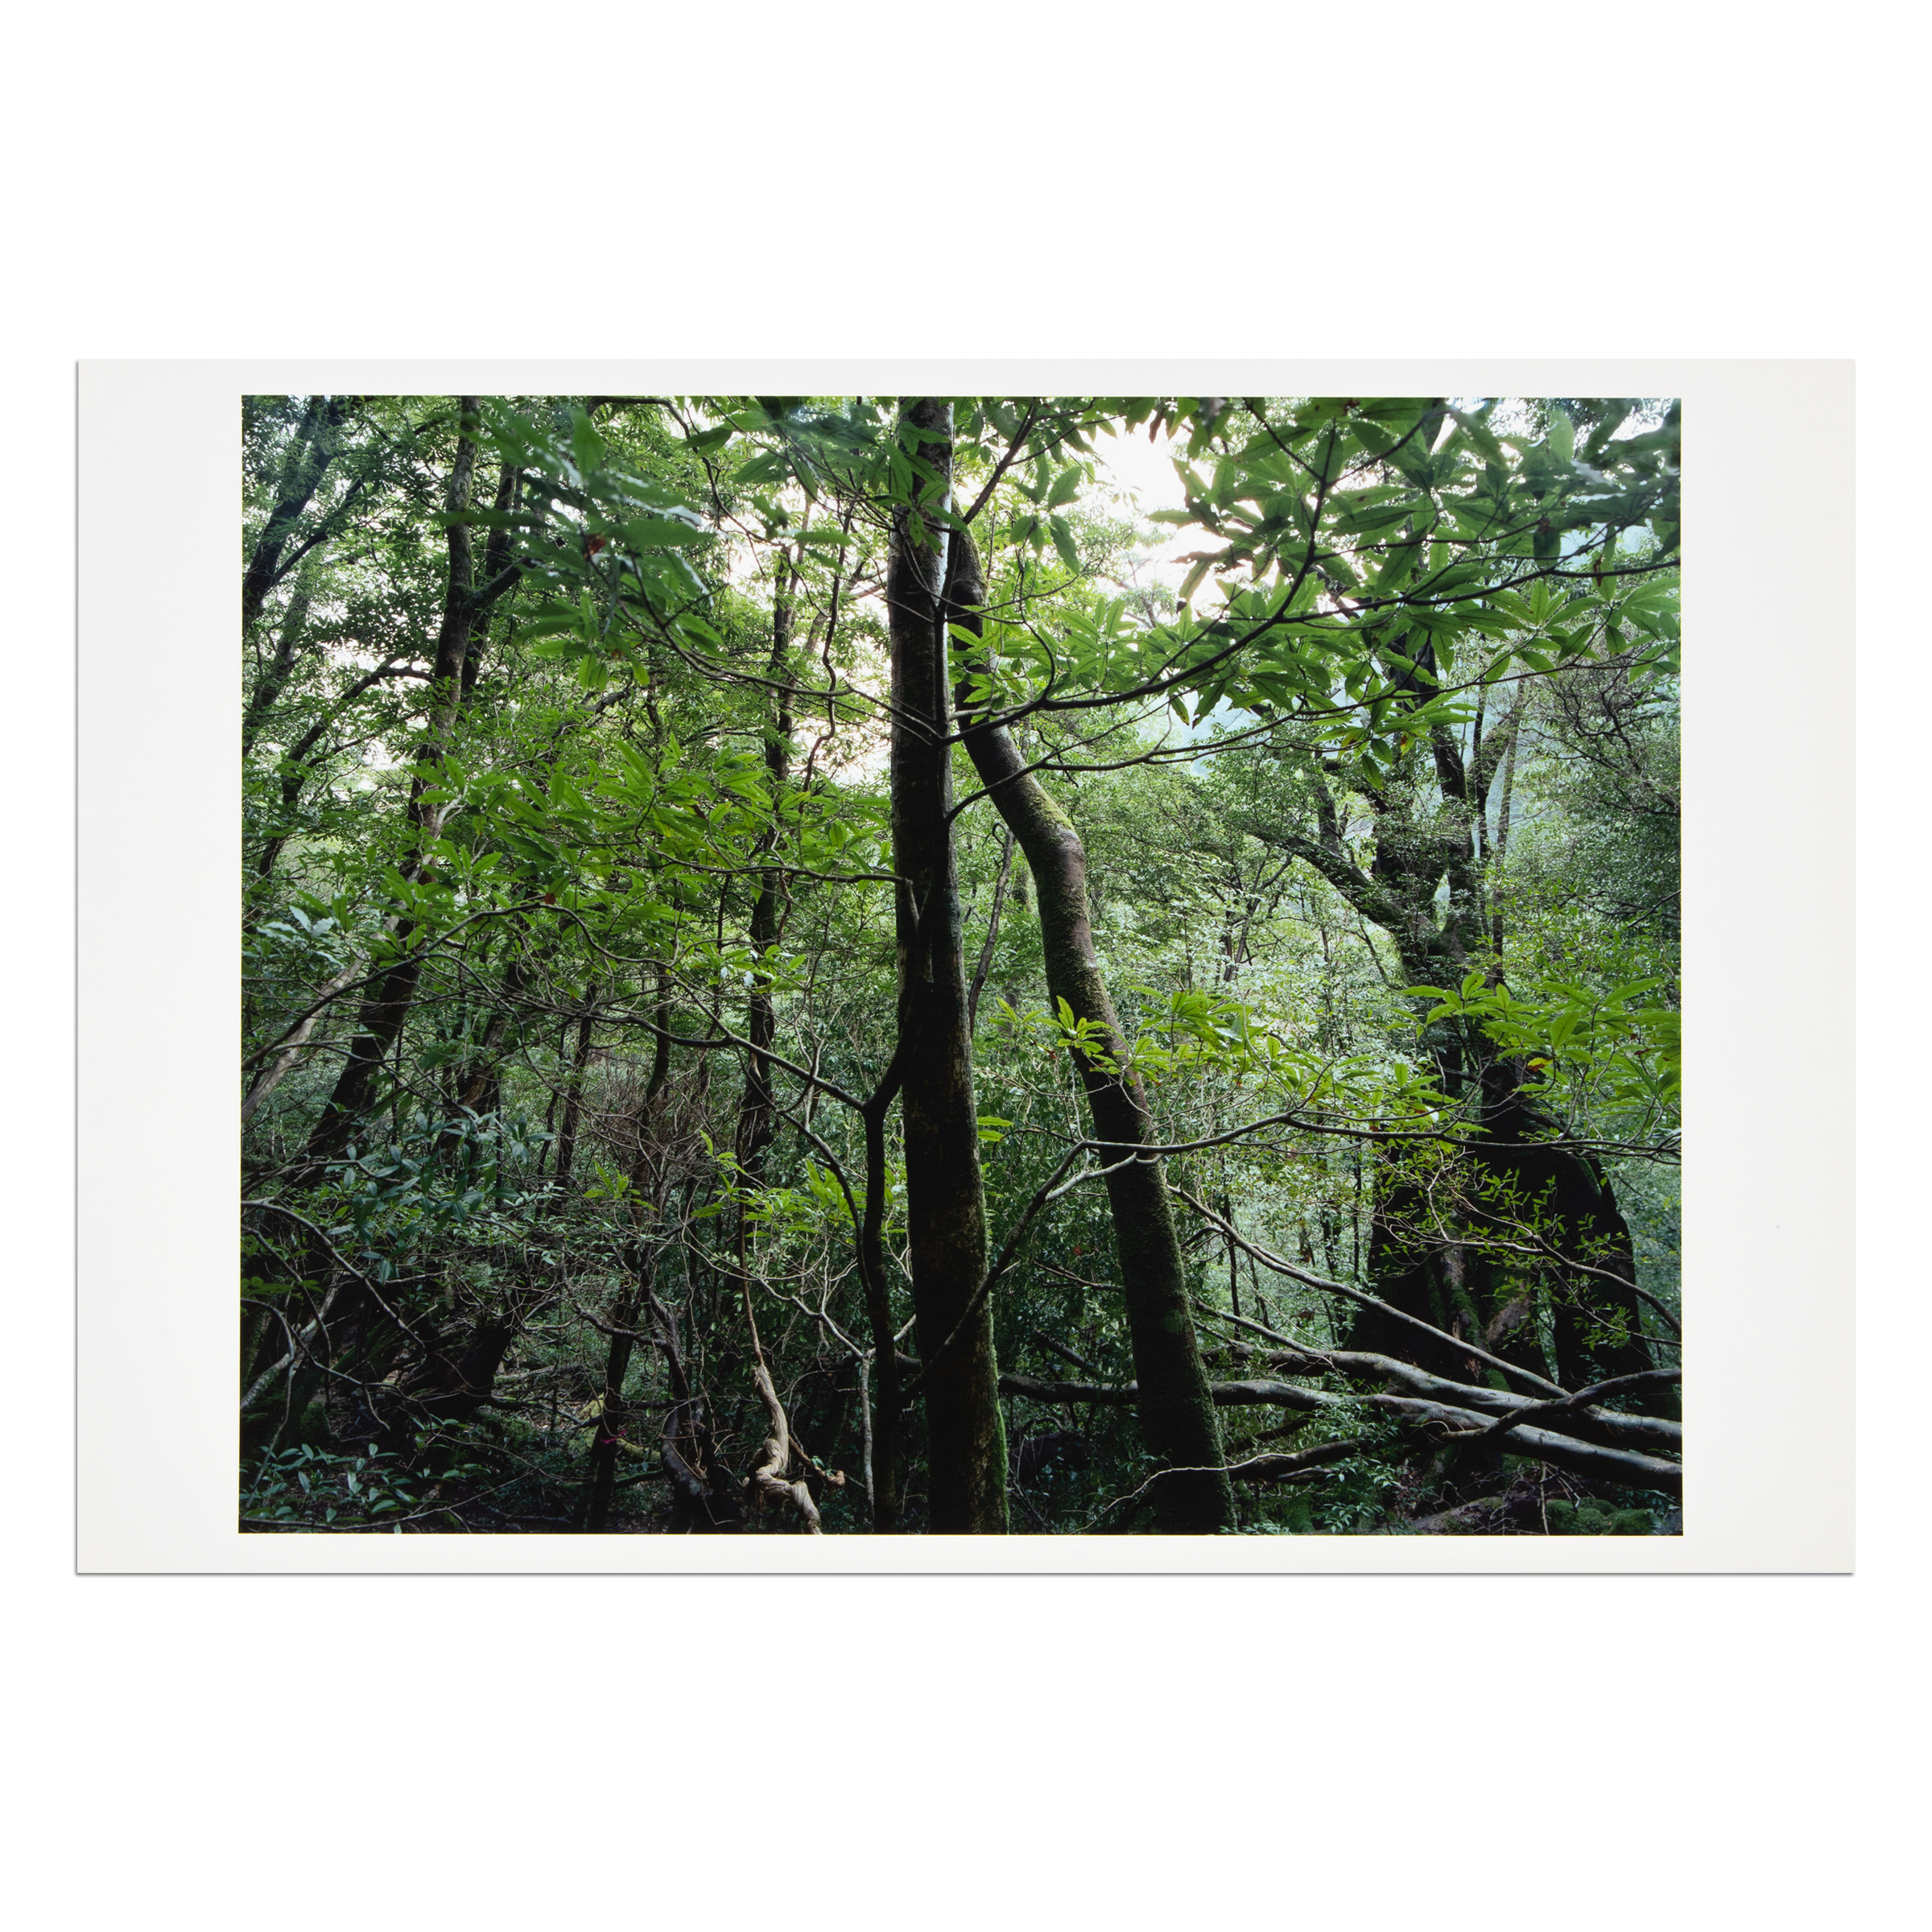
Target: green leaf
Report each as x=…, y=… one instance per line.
x=653, y=533
x=1397, y=568
x=1064, y=542
x=588, y=449
x=1480, y=438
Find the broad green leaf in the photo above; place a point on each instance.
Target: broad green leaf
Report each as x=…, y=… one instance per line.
x=651, y=533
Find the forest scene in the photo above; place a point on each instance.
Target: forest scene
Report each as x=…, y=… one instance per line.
x=991, y=965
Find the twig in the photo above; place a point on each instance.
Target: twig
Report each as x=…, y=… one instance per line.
x=1268, y=1259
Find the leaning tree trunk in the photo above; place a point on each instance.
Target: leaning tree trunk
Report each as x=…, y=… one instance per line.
x=387, y=1007
x=275, y=674
x=1177, y=1415
x=309, y=454
x=945, y=1205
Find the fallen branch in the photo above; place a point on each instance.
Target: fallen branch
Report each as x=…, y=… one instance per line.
x=1632, y=1468
x=1649, y=1378
x=1269, y=1259
x=1615, y=1429
x=296, y=1344
x=1278, y=1467
x=292, y=1044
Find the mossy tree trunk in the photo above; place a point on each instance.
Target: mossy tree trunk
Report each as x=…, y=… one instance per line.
x=1177, y=1413
x=946, y=1206
x=1428, y=1255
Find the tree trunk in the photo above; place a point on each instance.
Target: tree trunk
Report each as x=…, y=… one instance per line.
x=992, y=935
x=1597, y=1326
x=1177, y=1421
x=878, y=1308
x=646, y=1181
x=384, y=1012
x=268, y=686
x=946, y=1207
x=308, y=456
x=573, y=1092
x=480, y=1088
x=1427, y=1255
x=755, y=1124
x=362, y=1337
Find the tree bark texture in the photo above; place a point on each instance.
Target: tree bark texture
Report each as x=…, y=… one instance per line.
x=1177, y=1416
x=946, y=1207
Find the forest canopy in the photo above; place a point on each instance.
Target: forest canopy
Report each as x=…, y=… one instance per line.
x=879, y=965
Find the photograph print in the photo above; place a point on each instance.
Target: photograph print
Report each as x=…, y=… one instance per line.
x=909, y=966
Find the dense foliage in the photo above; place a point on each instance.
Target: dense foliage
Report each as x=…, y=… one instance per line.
x=1304, y=915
